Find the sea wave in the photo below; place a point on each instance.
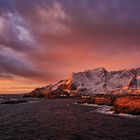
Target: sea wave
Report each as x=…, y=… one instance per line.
x=104, y=109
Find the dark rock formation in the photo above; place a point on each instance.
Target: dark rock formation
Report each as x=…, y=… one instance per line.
x=127, y=104
x=13, y=101
x=101, y=99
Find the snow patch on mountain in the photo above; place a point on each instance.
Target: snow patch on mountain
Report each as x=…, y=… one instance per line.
x=95, y=81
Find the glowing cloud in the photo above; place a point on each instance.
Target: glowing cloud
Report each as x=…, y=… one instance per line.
x=45, y=40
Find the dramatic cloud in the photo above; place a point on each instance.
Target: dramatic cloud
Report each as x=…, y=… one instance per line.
x=45, y=40
x=13, y=63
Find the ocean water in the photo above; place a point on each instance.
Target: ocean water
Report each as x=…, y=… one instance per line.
x=63, y=119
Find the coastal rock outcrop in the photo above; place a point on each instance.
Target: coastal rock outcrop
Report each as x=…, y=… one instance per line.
x=127, y=104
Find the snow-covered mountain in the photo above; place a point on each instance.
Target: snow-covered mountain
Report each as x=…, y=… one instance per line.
x=92, y=82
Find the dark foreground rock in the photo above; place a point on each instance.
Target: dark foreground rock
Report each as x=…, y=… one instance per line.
x=13, y=101
x=128, y=105
x=105, y=99
x=101, y=99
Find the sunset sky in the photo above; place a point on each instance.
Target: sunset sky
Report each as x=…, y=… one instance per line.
x=43, y=41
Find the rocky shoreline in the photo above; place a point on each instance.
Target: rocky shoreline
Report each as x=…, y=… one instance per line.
x=128, y=104
x=125, y=103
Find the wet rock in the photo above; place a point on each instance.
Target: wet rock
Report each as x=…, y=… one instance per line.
x=99, y=100
x=88, y=101
x=13, y=101
x=104, y=100
x=127, y=104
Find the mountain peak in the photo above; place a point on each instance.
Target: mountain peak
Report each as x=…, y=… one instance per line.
x=95, y=81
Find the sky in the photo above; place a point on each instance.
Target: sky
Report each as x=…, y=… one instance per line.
x=43, y=41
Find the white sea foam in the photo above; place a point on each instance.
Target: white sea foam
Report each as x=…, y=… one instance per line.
x=86, y=104
x=104, y=109
x=32, y=102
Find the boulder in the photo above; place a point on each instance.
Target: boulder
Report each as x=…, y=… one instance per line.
x=127, y=104
x=104, y=100
x=101, y=99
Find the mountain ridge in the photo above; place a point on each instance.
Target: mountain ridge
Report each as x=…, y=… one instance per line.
x=90, y=82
